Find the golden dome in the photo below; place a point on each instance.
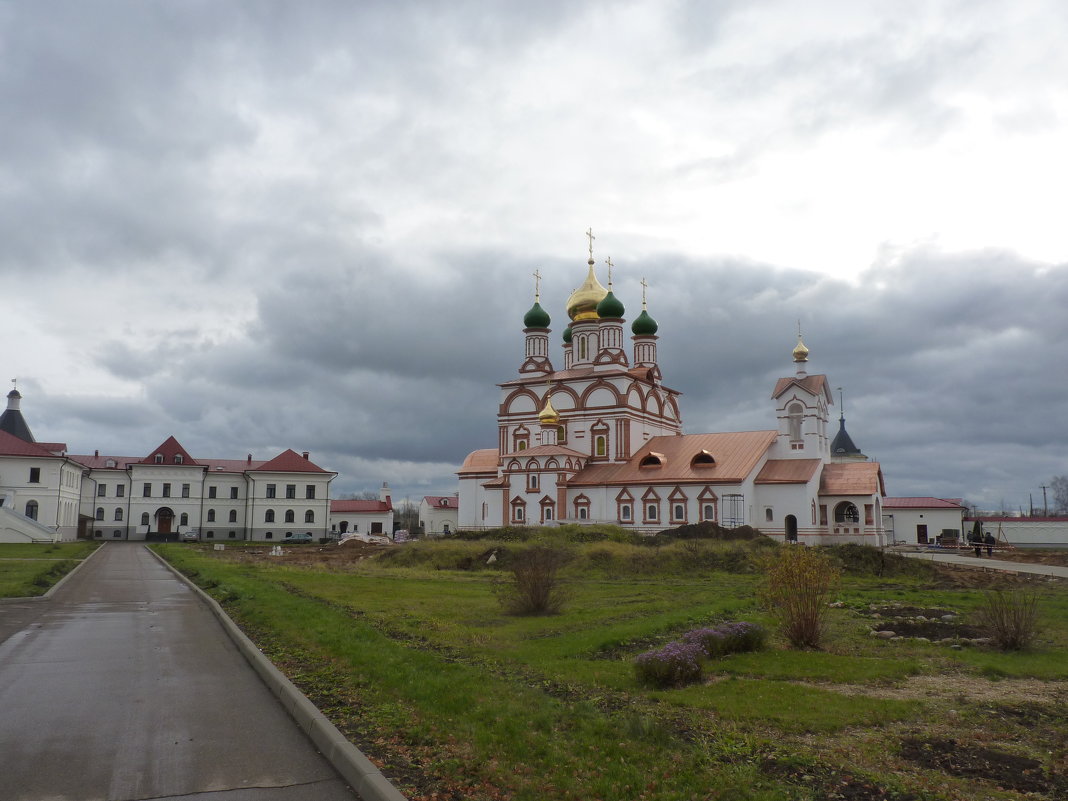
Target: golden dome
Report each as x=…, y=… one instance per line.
x=800, y=352
x=548, y=415
x=582, y=305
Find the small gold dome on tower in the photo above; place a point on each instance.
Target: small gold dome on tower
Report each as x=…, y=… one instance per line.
x=800, y=352
x=582, y=305
x=548, y=416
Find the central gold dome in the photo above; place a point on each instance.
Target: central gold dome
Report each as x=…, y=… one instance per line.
x=582, y=305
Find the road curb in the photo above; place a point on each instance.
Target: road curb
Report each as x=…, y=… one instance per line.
x=47, y=595
x=348, y=760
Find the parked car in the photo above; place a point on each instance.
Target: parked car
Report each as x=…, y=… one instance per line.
x=190, y=535
x=304, y=537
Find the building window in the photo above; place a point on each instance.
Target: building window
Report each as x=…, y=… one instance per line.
x=602, y=445
x=102, y=490
x=796, y=412
x=678, y=511
x=561, y=435
x=521, y=445
x=532, y=481
x=291, y=491
x=118, y=514
x=583, y=513
x=212, y=492
x=376, y=528
x=519, y=513
x=625, y=511
x=547, y=513
x=289, y=516
x=270, y=490
x=147, y=493
x=269, y=535
x=120, y=491
x=233, y=516
x=211, y=515
x=768, y=515
x=159, y=458
x=233, y=534
x=210, y=535
x=309, y=492
x=166, y=490
x=268, y=516
x=178, y=458
x=116, y=534
x=35, y=476
x=309, y=516
x=845, y=512
x=184, y=519
x=233, y=493
x=100, y=513
x=652, y=511
x=110, y=463
x=185, y=490
x=708, y=511
x=144, y=519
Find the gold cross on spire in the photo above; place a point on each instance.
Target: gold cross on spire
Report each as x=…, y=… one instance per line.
x=589, y=234
x=608, y=261
x=537, y=285
x=645, y=286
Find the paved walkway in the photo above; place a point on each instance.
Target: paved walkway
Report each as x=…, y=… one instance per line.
x=124, y=687
x=990, y=563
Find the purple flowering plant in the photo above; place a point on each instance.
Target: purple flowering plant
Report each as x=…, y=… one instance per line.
x=674, y=665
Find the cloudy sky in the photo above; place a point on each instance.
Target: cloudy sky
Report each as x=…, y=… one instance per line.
x=257, y=225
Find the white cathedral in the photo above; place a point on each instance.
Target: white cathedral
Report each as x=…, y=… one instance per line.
x=601, y=441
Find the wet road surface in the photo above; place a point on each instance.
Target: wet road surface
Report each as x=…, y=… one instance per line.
x=124, y=687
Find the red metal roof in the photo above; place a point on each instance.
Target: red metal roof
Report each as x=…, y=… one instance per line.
x=922, y=503
x=852, y=478
x=11, y=445
x=788, y=471
x=813, y=384
x=169, y=449
x=289, y=461
x=442, y=501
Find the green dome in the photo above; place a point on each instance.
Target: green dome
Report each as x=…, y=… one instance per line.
x=610, y=307
x=567, y=335
x=537, y=317
x=644, y=325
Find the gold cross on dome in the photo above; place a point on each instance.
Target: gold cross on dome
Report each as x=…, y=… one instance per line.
x=537, y=285
x=608, y=261
x=645, y=286
x=589, y=234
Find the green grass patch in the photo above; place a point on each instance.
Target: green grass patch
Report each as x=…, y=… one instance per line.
x=31, y=569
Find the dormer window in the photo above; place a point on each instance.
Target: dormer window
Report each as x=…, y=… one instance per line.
x=177, y=458
x=445, y=502
x=703, y=459
x=652, y=460
x=110, y=463
x=159, y=458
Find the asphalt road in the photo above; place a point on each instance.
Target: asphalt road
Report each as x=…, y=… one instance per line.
x=990, y=563
x=124, y=687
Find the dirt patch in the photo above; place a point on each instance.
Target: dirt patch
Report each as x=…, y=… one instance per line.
x=892, y=610
x=931, y=629
x=335, y=557
x=1029, y=695
x=974, y=761
x=1034, y=557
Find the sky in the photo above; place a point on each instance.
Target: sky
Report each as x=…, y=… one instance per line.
x=259, y=225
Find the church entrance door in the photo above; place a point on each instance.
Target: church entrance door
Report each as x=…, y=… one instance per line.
x=164, y=519
x=791, y=528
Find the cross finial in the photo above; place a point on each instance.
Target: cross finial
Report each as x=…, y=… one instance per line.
x=799, y=332
x=644, y=287
x=841, y=400
x=537, y=285
x=14, y=383
x=591, y=237
x=608, y=261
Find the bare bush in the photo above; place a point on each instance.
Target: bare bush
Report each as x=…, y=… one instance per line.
x=1010, y=617
x=797, y=587
x=536, y=588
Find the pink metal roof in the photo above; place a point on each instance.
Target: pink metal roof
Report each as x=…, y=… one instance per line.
x=815, y=384
x=442, y=501
x=341, y=507
x=852, y=478
x=544, y=450
x=480, y=461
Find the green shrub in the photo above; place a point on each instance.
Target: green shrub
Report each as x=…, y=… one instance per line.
x=535, y=588
x=797, y=587
x=1010, y=617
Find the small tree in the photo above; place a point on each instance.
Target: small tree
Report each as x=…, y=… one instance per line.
x=797, y=586
x=1059, y=485
x=535, y=588
x=1010, y=617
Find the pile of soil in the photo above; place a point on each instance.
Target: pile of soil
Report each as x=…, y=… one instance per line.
x=974, y=761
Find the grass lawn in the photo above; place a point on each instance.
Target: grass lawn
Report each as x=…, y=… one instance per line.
x=413, y=658
x=29, y=569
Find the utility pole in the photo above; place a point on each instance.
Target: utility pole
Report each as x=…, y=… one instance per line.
x=1045, y=508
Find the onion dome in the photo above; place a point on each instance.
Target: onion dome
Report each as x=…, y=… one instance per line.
x=567, y=335
x=548, y=415
x=800, y=353
x=610, y=307
x=537, y=317
x=582, y=305
x=644, y=325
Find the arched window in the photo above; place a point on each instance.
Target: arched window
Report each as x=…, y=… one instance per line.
x=708, y=511
x=583, y=513
x=532, y=481
x=289, y=516
x=845, y=512
x=768, y=515
x=144, y=519
x=31, y=510
x=100, y=513
x=602, y=445
x=184, y=519
x=159, y=458
x=233, y=515
x=309, y=516
x=269, y=535
x=582, y=349
x=268, y=516
x=118, y=513
x=796, y=412
x=211, y=515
